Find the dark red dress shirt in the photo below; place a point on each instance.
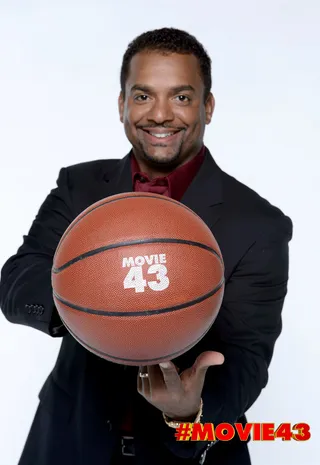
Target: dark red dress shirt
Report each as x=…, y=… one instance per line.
x=174, y=185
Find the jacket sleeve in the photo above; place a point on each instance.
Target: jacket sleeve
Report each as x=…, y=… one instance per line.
x=245, y=331
x=25, y=286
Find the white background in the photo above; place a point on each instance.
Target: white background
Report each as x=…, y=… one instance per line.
x=59, y=83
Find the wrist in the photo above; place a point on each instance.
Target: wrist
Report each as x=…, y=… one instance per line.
x=174, y=421
x=189, y=418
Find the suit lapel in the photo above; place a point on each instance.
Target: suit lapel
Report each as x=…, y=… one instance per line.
x=120, y=180
x=204, y=195
x=114, y=178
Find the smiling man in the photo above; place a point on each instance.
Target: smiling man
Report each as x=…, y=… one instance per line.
x=94, y=412
x=165, y=105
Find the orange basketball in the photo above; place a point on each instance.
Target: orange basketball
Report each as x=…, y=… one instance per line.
x=138, y=278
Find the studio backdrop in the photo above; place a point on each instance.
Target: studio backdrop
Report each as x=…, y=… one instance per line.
x=59, y=84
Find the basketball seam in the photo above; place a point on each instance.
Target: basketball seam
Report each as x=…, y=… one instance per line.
x=140, y=313
x=174, y=354
x=159, y=240
x=166, y=199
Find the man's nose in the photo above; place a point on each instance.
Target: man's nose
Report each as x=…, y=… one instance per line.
x=161, y=111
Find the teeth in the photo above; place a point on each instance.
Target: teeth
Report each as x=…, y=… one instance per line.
x=162, y=136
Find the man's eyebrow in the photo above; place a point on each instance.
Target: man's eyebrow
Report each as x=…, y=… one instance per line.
x=142, y=88
x=173, y=90
x=184, y=88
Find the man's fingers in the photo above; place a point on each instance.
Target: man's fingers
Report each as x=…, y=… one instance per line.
x=170, y=376
x=207, y=359
x=156, y=381
x=202, y=363
x=143, y=384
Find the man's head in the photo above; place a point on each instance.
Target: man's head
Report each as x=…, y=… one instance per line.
x=165, y=100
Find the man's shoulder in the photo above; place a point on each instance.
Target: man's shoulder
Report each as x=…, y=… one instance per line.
x=93, y=168
x=250, y=208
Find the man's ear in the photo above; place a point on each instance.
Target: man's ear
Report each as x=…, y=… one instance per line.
x=121, y=105
x=210, y=105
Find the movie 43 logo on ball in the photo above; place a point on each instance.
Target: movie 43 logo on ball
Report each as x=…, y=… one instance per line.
x=135, y=279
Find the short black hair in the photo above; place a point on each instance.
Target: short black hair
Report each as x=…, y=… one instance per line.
x=166, y=41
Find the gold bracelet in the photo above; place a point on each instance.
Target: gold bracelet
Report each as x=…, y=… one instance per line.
x=175, y=424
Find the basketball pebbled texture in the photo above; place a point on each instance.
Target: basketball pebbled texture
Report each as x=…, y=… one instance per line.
x=153, y=243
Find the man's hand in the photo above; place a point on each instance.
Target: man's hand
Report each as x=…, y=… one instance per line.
x=177, y=396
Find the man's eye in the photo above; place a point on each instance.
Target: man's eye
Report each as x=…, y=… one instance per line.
x=141, y=98
x=183, y=98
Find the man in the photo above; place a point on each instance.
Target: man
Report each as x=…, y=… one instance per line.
x=94, y=412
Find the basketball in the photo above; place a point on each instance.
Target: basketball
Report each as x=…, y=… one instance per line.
x=138, y=278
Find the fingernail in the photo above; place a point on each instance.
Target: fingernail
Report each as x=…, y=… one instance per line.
x=164, y=365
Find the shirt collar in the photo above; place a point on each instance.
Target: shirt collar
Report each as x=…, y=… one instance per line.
x=179, y=179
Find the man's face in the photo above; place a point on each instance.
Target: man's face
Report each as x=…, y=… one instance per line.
x=163, y=111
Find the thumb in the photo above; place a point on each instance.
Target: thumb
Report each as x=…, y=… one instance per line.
x=203, y=362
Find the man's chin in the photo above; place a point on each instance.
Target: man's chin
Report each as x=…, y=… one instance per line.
x=161, y=156
x=163, y=160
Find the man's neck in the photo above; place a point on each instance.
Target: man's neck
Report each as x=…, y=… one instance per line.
x=159, y=171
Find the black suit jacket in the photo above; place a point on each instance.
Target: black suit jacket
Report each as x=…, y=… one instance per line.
x=81, y=402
